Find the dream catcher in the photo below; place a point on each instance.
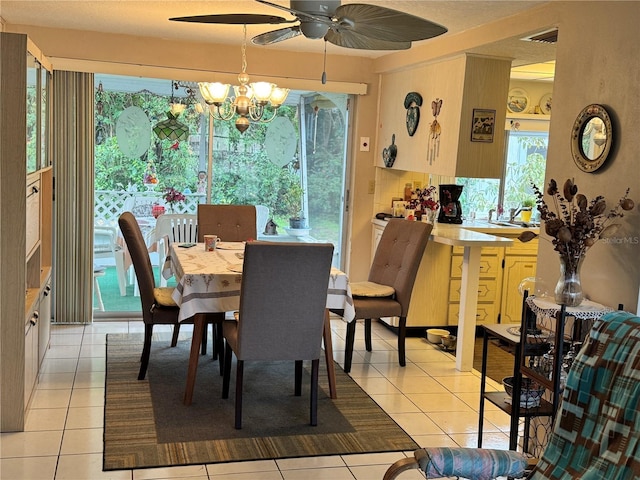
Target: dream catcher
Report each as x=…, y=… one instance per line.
x=434, y=132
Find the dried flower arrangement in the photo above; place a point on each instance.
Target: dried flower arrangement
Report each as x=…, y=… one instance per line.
x=576, y=224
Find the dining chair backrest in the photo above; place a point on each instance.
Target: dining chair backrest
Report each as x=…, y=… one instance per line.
x=179, y=227
x=231, y=223
x=141, y=261
x=282, y=300
x=397, y=257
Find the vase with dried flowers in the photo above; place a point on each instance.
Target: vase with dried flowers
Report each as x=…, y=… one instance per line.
x=424, y=203
x=576, y=224
x=173, y=196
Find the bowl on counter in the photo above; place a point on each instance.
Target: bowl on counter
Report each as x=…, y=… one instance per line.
x=434, y=335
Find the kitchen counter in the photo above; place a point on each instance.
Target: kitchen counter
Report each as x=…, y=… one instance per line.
x=472, y=237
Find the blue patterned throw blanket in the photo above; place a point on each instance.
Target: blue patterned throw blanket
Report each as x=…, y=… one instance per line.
x=597, y=434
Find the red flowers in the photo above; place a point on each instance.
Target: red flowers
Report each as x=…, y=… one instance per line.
x=172, y=196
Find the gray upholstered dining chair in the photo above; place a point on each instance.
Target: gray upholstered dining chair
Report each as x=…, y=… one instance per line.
x=387, y=292
x=157, y=305
x=282, y=313
x=232, y=223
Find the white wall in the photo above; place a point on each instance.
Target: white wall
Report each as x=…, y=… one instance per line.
x=597, y=62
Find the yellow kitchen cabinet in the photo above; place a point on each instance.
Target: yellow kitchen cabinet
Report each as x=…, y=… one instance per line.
x=519, y=263
x=489, y=286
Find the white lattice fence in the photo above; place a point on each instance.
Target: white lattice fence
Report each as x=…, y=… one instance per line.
x=109, y=204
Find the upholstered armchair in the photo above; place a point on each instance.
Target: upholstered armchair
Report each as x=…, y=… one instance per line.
x=596, y=433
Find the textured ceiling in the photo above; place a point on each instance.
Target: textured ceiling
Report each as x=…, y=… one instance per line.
x=150, y=18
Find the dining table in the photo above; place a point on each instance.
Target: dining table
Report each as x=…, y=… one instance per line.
x=210, y=281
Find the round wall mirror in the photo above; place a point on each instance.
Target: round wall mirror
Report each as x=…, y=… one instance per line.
x=591, y=138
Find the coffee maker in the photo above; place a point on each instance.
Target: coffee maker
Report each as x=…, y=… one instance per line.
x=450, y=208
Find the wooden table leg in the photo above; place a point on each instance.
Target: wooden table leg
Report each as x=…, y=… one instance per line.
x=199, y=323
x=328, y=355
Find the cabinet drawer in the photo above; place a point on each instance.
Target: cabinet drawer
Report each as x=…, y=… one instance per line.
x=520, y=248
x=485, y=250
x=486, y=313
x=489, y=266
x=487, y=289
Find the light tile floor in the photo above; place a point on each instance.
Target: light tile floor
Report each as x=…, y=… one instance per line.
x=429, y=399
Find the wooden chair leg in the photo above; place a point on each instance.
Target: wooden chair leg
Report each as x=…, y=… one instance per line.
x=367, y=334
x=239, y=380
x=400, y=466
x=402, y=335
x=315, y=367
x=146, y=351
x=349, y=341
x=298, y=378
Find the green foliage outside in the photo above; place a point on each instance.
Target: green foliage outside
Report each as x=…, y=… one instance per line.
x=242, y=173
x=525, y=166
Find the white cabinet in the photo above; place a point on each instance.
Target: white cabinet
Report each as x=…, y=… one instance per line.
x=463, y=83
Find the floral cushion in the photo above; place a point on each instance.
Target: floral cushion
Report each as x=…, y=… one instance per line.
x=371, y=289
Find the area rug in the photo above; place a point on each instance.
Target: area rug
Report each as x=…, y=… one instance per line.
x=146, y=425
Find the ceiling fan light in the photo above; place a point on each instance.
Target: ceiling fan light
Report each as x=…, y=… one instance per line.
x=314, y=30
x=278, y=96
x=262, y=91
x=214, y=92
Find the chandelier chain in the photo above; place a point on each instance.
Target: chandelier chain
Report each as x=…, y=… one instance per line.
x=244, y=50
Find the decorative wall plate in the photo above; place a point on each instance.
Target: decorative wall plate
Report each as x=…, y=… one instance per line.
x=133, y=132
x=281, y=141
x=545, y=104
x=389, y=153
x=518, y=101
x=412, y=102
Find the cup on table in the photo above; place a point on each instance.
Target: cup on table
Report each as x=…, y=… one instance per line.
x=210, y=242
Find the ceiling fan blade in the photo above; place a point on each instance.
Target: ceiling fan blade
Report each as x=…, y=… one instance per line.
x=384, y=23
x=276, y=36
x=350, y=39
x=234, y=19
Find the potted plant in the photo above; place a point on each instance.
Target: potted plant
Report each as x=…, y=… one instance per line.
x=527, y=209
x=293, y=205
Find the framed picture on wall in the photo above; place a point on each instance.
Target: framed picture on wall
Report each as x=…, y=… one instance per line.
x=483, y=125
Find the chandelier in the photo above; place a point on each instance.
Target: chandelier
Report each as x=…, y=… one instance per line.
x=249, y=100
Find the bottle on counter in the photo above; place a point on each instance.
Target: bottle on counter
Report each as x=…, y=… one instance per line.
x=408, y=191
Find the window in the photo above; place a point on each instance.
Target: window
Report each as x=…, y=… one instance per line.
x=526, y=158
x=310, y=181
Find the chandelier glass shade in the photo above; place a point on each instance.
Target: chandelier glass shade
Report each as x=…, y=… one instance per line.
x=248, y=101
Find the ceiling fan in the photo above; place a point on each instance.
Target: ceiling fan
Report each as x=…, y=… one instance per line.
x=355, y=25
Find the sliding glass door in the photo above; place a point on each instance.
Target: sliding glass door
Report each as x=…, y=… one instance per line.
x=295, y=166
